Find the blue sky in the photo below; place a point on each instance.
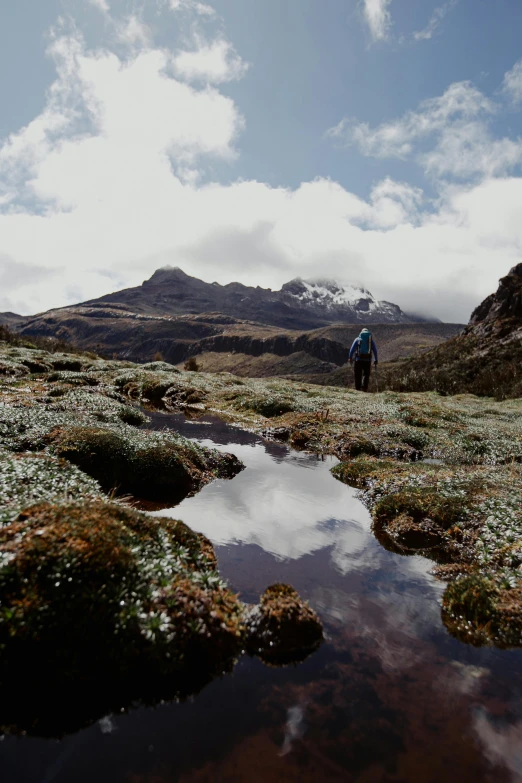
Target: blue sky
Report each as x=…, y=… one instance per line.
x=375, y=141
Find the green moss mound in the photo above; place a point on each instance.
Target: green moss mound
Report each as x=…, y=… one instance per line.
x=29, y=479
x=12, y=368
x=86, y=573
x=352, y=446
x=360, y=472
x=485, y=610
x=160, y=367
x=97, y=594
x=269, y=407
x=67, y=362
x=103, y=605
x=420, y=503
x=420, y=506
x=284, y=628
x=156, y=466
x=152, y=386
x=98, y=403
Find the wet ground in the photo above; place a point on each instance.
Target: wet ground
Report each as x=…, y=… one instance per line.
x=389, y=697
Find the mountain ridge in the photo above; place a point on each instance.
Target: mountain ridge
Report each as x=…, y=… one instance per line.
x=308, y=324
x=299, y=304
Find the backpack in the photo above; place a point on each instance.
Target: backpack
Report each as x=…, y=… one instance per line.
x=364, y=349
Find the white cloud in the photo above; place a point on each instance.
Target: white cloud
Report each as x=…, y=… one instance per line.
x=456, y=124
x=468, y=149
x=393, y=204
x=460, y=102
x=108, y=183
x=377, y=17
x=214, y=62
x=203, y=9
x=102, y=5
x=436, y=19
x=133, y=31
x=512, y=85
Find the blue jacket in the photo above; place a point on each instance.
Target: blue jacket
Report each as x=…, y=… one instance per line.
x=355, y=345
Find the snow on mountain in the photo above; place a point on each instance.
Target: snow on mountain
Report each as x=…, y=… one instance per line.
x=328, y=294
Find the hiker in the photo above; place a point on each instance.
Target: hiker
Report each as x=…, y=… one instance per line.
x=361, y=351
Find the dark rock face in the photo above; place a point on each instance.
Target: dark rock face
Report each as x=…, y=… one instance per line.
x=506, y=303
x=484, y=360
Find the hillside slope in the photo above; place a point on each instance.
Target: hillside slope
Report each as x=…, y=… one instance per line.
x=486, y=359
x=223, y=342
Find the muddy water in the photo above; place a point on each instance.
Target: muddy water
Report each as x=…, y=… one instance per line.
x=389, y=697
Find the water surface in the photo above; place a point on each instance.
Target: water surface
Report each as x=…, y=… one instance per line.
x=389, y=697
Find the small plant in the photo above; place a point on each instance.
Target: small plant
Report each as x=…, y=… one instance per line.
x=191, y=365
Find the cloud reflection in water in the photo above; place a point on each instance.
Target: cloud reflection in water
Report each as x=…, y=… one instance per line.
x=289, y=507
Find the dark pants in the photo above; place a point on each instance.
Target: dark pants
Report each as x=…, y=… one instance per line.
x=362, y=370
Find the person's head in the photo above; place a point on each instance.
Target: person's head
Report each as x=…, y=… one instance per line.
x=364, y=331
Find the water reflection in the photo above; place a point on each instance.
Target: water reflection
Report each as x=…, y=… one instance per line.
x=288, y=504
x=391, y=698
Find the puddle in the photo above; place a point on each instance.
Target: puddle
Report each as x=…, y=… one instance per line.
x=389, y=697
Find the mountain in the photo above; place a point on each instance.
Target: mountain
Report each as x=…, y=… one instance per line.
x=300, y=304
x=11, y=319
x=306, y=328
x=485, y=359
x=334, y=302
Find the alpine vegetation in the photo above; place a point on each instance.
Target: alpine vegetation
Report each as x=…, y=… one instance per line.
x=102, y=605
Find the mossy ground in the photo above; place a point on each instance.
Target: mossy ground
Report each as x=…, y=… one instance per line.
x=462, y=509
x=101, y=605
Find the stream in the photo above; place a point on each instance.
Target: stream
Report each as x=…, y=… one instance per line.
x=390, y=696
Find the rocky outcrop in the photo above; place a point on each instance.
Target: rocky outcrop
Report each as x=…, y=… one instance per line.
x=281, y=345
x=485, y=359
x=503, y=306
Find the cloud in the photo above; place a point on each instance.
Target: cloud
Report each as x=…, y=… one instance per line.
x=456, y=124
x=133, y=31
x=203, y=9
x=214, y=62
x=436, y=19
x=111, y=181
x=460, y=102
x=102, y=5
x=468, y=149
x=512, y=85
x=392, y=204
x=378, y=18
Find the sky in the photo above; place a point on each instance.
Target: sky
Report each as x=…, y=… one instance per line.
x=376, y=142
